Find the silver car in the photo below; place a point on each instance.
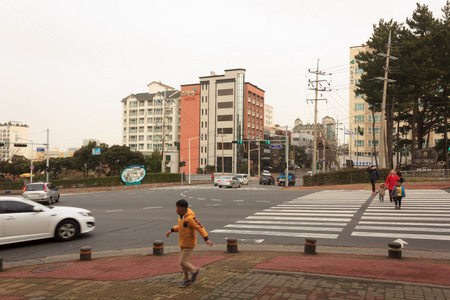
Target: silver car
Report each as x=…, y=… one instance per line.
x=45, y=192
x=228, y=181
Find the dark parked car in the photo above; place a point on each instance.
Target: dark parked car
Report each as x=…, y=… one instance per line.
x=267, y=179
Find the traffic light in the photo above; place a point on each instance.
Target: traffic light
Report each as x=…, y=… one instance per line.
x=20, y=145
x=267, y=142
x=47, y=169
x=2, y=144
x=182, y=163
x=237, y=142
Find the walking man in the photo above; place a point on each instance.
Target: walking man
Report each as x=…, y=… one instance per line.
x=374, y=176
x=187, y=229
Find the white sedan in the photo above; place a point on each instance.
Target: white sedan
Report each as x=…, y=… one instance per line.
x=25, y=220
x=228, y=181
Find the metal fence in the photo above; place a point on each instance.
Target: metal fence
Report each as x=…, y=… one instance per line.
x=431, y=173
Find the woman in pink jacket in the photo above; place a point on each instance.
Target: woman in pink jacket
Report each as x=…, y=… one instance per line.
x=391, y=182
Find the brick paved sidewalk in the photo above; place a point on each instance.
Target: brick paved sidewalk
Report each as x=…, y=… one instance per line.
x=244, y=275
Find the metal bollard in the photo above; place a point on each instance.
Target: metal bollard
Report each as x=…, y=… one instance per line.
x=310, y=246
x=232, y=245
x=395, y=250
x=158, y=248
x=85, y=253
x=1, y=264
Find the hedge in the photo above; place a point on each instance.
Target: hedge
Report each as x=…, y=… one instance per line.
x=349, y=176
x=97, y=181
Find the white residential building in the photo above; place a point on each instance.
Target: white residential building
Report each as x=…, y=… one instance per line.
x=151, y=118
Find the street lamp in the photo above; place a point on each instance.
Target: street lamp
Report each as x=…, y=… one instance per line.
x=197, y=137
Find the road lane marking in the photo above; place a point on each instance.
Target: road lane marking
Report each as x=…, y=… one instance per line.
x=116, y=210
x=402, y=235
x=292, y=223
x=303, y=214
x=309, y=228
x=152, y=207
x=276, y=233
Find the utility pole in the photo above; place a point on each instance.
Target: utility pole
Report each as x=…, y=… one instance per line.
x=316, y=98
x=286, y=155
x=223, y=159
x=383, y=146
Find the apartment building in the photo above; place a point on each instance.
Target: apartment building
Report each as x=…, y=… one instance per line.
x=215, y=112
x=151, y=121
x=365, y=147
x=268, y=115
x=8, y=133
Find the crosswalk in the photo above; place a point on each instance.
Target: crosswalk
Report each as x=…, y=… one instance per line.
x=425, y=215
x=323, y=215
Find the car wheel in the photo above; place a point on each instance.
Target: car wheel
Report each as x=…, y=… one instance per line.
x=67, y=230
x=50, y=201
x=239, y=186
x=220, y=186
x=57, y=199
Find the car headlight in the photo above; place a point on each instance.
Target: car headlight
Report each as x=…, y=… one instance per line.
x=85, y=214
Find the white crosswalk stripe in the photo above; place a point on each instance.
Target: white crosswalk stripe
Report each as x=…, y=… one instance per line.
x=425, y=214
x=321, y=215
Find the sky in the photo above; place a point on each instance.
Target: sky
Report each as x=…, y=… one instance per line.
x=66, y=65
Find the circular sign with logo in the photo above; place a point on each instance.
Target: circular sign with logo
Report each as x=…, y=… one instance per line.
x=133, y=175
x=31, y=167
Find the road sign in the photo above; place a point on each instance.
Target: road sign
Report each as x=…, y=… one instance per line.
x=40, y=149
x=275, y=146
x=96, y=151
x=31, y=167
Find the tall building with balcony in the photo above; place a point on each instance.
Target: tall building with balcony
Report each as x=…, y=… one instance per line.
x=8, y=133
x=215, y=112
x=268, y=115
x=151, y=121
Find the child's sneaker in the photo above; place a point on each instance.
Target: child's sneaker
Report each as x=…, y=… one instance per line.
x=184, y=283
x=195, y=275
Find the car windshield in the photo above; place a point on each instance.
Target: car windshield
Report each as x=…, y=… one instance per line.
x=239, y=176
x=35, y=187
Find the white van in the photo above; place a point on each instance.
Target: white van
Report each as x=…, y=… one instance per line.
x=243, y=178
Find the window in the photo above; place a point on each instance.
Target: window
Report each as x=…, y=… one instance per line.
x=132, y=138
x=225, y=105
x=225, y=118
x=359, y=143
x=133, y=113
x=133, y=130
x=8, y=207
x=376, y=130
x=141, y=128
x=370, y=143
x=141, y=138
x=133, y=121
x=225, y=130
x=359, y=106
x=359, y=70
x=149, y=146
x=133, y=103
x=226, y=146
x=149, y=137
x=158, y=111
x=141, y=103
x=141, y=120
x=359, y=119
x=149, y=129
x=377, y=118
x=225, y=92
x=141, y=112
x=141, y=147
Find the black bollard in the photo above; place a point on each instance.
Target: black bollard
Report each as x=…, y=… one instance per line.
x=395, y=250
x=310, y=246
x=85, y=253
x=1, y=264
x=158, y=248
x=232, y=245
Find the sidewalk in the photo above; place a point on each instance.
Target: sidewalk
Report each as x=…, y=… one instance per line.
x=335, y=273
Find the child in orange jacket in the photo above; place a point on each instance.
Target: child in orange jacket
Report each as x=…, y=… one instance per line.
x=187, y=228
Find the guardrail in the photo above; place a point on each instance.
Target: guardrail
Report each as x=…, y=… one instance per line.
x=432, y=173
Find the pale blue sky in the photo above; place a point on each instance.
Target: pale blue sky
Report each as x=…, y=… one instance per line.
x=66, y=65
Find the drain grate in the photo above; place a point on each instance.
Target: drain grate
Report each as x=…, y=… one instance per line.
x=51, y=268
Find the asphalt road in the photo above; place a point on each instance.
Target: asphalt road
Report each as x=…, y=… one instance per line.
x=253, y=214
